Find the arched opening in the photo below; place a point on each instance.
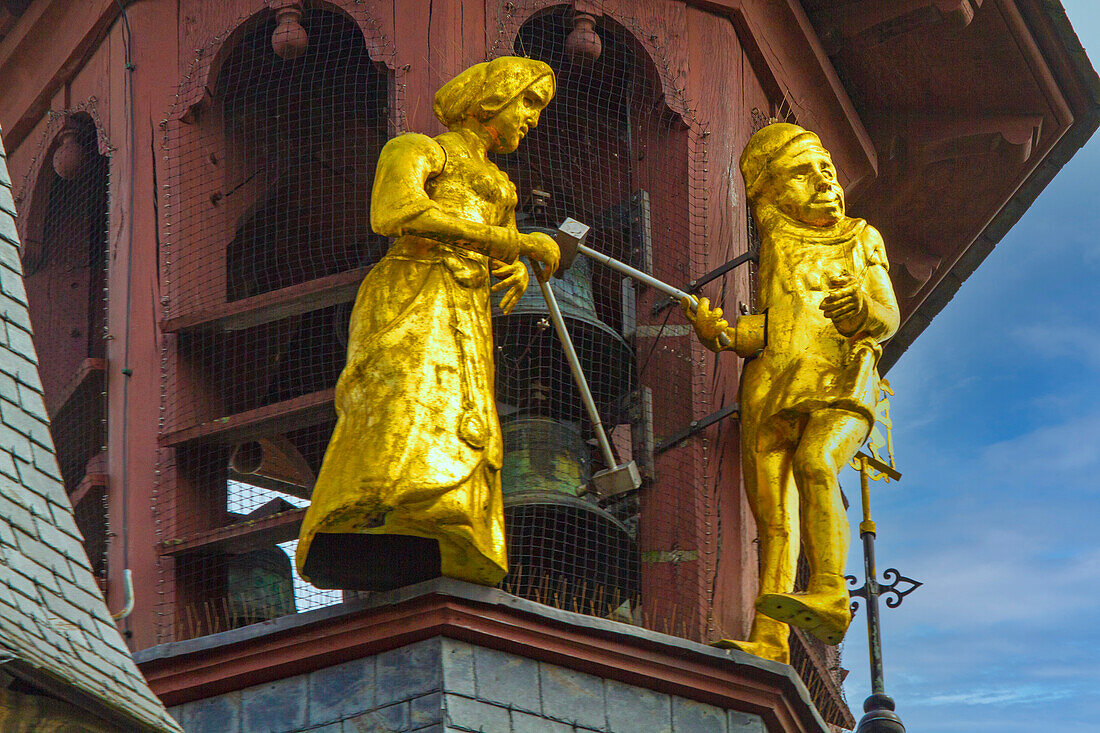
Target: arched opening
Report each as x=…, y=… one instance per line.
x=609, y=152
x=65, y=269
x=271, y=175
x=301, y=140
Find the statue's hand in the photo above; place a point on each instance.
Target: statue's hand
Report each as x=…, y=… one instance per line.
x=542, y=250
x=514, y=279
x=846, y=307
x=709, y=324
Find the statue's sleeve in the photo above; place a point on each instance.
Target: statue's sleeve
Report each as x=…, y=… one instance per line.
x=400, y=203
x=882, y=316
x=874, y=249
x=398, y=195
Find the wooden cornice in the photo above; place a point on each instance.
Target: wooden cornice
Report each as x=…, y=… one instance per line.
x=780, y=40
x=487, y=617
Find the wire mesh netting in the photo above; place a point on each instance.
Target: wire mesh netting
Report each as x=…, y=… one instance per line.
x=65, y=228
x=270, y=167
x=267, y=208
x=609, y=152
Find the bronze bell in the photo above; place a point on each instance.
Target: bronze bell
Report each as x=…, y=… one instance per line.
x=568, y=552
x=259, y=581
x=259, y=586
x=563, y=549
x=541, y=454
x=532, y=372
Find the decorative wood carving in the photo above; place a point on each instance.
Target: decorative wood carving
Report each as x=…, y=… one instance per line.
x=869, y=22
x=583, y=41
x=934, y=139
x=910, y=145
x=289, y=40
x=68, y=157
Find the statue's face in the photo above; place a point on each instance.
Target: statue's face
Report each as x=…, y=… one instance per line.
x=804, y=186
x=511, y=123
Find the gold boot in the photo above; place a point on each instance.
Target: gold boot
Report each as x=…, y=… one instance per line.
x=825, y=614
x=768, y=640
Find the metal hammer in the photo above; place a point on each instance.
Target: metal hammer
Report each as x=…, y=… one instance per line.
x=570, y=238
x=615, y=479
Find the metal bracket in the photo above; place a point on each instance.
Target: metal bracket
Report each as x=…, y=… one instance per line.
x=889, y=591
x=696, y=426
x=695, y=285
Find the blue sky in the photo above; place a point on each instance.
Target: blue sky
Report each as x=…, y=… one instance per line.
x=997, y=433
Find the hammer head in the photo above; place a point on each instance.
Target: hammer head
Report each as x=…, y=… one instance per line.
x=570, y=234
x=620, y=479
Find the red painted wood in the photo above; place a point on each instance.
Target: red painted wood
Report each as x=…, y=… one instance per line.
x=273, y=306
x=60, y=53
x=725, y=110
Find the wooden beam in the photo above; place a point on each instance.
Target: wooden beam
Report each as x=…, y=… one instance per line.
x=273, y=306
x=280, y=417
x=870, y=22
x=264, y=531
x=781, y=42
x=32, y=68
x=90, y=371
x=89, y=482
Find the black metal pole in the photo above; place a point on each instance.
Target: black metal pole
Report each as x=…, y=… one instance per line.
x=874, y=637
x=879, y=707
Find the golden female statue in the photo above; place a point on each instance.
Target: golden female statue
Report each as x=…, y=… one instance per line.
x=410, y=484
x=809, y=395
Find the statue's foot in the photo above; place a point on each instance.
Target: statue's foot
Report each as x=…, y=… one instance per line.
x=825, y=615
x=776, y=652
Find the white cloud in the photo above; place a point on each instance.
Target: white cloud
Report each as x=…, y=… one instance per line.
x=997, y=696
x=1064, y=457
x=1062, y=340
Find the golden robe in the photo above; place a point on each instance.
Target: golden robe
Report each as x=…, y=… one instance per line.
x=808, y=365
x=417, y=447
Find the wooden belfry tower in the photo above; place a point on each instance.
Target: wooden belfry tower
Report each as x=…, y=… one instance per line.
x=193, y=184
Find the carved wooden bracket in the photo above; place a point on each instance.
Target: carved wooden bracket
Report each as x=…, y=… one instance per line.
x=869, y=22
x=908, y=144
x=932, y=139
x=68, y=157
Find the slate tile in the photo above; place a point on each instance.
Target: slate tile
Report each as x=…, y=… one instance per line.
x=572, y=696
x=341, y=690
x=507, y=679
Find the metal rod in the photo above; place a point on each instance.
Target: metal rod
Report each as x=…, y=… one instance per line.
x=578, y=375
x=636, y=274
x=874, y=629
x=642, y=277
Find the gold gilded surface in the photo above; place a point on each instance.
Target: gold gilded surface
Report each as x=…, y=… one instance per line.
x=809, y=397
x=417, y=446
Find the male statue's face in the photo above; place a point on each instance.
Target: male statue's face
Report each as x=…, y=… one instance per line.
x=804, y=185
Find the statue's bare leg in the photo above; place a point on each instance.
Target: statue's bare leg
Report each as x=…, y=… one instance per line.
x=830, y=439
x=773, y=498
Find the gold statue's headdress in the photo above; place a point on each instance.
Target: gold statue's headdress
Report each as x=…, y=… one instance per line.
x=484, y=88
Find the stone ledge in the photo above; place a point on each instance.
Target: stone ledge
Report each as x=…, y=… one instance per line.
x=189, y=670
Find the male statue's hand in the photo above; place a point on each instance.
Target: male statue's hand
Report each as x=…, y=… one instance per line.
x=845, y=307
x=709, y=324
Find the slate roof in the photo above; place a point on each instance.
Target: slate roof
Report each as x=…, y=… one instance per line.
x=55, y=630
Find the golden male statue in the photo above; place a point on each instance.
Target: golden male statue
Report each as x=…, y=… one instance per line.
x=808, y=396
x=410, y=484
